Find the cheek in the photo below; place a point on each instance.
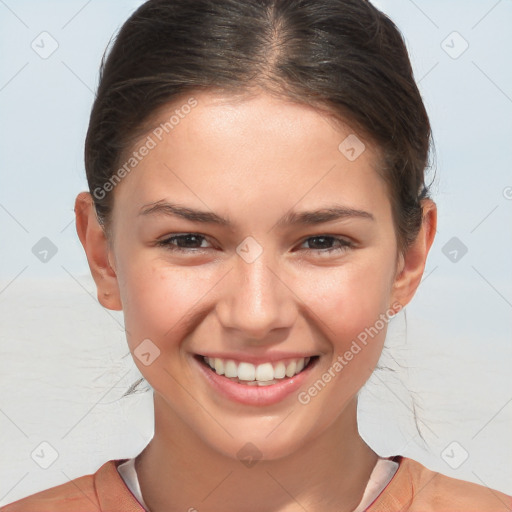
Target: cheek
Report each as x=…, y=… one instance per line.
x=158, y=300
x=347, y=300
x=349, y=307
x=160, y=304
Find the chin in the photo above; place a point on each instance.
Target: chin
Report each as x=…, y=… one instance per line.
x=257, y=443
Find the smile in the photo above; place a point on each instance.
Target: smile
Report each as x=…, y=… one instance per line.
x=264, y=374
x=258, y=383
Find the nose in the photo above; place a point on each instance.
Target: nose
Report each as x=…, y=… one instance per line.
x=257, y=302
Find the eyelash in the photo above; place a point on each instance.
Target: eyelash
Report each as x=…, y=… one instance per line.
x=167, y=243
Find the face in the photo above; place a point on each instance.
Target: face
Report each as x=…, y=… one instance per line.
x=252, y=281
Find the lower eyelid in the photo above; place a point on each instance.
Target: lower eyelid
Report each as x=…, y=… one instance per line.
x=168, y=242
x=342, y=243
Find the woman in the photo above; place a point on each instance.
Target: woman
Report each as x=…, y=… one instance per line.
x=257, y=202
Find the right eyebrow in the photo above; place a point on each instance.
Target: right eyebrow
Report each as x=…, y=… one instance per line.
x=305, y=218
x=191, y=214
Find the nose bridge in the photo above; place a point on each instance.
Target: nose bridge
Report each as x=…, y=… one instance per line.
x=256, y=301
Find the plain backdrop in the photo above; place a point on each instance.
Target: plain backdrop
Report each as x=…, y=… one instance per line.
x=64, y=362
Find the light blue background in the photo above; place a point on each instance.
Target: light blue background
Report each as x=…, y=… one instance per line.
x=63, y=364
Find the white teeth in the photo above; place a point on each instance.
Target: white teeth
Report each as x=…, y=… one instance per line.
x=279, y=370
x=263, y=374
x=246, y=371
x=290, y=369
x=231, y=369
x=260, y=383
x=219, y=366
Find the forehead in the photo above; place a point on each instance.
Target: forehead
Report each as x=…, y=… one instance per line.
x=233, y=149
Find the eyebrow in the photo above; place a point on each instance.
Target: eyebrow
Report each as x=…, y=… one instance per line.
x=305, y=218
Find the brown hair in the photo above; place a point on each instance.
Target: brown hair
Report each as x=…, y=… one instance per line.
x=344, y=56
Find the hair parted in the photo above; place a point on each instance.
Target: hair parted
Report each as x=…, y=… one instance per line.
x=342, y=56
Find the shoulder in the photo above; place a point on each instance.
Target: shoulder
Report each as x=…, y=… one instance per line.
x=102, y=490
x=71, y=495
x=415, y=488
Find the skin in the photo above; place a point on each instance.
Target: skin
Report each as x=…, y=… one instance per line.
x=252, y=160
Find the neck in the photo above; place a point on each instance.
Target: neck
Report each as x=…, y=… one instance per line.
x=179, y=472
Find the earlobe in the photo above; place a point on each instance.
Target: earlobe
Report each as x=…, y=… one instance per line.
x=97, y=250
x=412, y=264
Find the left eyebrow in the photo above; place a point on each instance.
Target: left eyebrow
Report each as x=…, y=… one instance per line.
x=305, y=218
x=191, y=214
x=328, y=214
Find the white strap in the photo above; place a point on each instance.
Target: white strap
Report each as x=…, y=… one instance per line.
x=381, y=475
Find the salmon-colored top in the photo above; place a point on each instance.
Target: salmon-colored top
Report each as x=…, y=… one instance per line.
x=413, y=488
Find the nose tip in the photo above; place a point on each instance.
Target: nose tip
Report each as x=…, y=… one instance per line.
x=255, y=301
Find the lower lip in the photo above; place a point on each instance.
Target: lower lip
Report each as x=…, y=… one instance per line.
x=255, y=395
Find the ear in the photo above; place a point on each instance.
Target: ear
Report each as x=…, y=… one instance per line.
x=412, y=263
x=98, y=252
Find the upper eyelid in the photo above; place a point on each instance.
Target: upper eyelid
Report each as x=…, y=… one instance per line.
x=168, y=238
x=342, y=239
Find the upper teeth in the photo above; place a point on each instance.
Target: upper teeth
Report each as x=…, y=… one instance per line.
x=262, y=372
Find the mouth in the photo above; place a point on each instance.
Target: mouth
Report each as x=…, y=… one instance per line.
x=264, y=383
x=264, y=374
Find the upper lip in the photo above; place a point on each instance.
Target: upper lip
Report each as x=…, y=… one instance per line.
x=270, y=357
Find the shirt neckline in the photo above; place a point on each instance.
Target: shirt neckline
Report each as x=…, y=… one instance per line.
x=128, y=475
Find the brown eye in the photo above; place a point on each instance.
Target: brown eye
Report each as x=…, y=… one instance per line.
x=189, y=241
x=327, y=244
